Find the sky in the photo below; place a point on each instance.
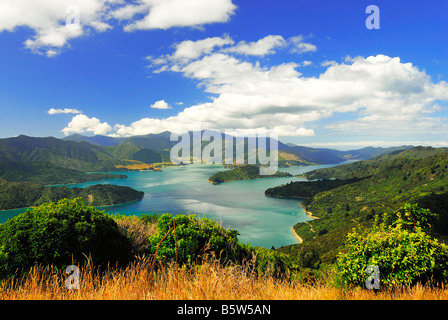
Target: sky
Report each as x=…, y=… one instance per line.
x=321, y=73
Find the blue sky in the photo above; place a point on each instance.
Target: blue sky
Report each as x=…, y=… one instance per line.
x=310, y=70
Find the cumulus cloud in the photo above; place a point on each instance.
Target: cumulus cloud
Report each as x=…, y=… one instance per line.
x=161, y=104
x=55, y=23
x=165, y=14
x=83, y=124
x=62, y=111
x=382, y=94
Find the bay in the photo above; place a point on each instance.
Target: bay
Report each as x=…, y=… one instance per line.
x=242, y=205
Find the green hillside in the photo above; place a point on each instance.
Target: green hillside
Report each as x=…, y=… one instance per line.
x=27, y=194
x=47, y=173
x=383, y=184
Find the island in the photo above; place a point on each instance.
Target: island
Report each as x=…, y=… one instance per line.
x=243, y=172
x=16, y=195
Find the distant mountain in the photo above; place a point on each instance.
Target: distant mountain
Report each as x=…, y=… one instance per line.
x=102, y=153
x=98, y=140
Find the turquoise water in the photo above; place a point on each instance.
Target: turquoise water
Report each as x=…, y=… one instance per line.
x=242, y=205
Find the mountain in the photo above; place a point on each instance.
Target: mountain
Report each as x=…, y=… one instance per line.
x=289, y=154
x=380, y=185
x=97, y=140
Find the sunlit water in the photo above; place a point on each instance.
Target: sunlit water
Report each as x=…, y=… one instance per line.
x=242, y=205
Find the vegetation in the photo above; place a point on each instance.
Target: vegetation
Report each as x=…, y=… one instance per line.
x=243, y=172
x=23, y=194
x=182, y=257
x=60, y=234
x=402, y=250
x=385, y=184
x=306, y=189
x=48, y=174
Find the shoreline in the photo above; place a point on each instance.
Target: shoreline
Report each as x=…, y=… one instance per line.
x=299, y=239
x=309, y=213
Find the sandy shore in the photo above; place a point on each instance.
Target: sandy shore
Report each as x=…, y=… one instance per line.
x=309, y=213
x=300, y=240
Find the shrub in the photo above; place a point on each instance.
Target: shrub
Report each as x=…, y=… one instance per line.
x=403, y=254
x=192, y=238
x=60, y=234
x=196, y=239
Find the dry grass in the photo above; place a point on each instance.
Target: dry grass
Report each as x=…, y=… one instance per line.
x=209, y=281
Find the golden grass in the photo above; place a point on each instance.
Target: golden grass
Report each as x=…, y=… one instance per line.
x=209, y=281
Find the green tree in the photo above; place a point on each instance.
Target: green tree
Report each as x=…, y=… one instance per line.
x=60, y=234
x=404, y=255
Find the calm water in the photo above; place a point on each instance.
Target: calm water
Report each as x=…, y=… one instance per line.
x=242, y=205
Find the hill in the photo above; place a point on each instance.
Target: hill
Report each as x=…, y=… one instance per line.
x=26, y=194
x=383, y=184
x=243, y=172
x=48, y=174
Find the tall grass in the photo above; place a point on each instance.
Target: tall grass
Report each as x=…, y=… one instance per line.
x=208, y=281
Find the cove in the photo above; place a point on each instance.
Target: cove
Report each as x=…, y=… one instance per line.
x=242, y=205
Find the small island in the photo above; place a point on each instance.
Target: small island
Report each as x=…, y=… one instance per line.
x=16, y=195
x=243, y=172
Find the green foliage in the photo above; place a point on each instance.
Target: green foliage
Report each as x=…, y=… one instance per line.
x=60, y=234
x=48, y=174
x=305, y=189
x=197, y=239
x=22, y=195
x=417, y=176
x=243, y=172
x=403, y=255
x=192, y=239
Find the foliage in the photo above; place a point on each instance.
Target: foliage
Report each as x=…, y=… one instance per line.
x=48, y=174
x=23, y=195
x=190, y=240
x=60, y=234
x=305, y=189
x=403, y=255
x=417, y=176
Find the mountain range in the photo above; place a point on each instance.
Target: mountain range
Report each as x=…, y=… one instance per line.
x=107, y=154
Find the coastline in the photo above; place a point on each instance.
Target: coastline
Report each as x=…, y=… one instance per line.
x=309, y=213
x=299, y=239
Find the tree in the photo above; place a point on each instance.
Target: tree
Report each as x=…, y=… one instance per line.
x=60, y=234
x=403, y=251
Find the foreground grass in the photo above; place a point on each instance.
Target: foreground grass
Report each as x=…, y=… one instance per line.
x=209, y=281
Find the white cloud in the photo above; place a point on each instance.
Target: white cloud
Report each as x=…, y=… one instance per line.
x=381, y=95
x=259, y=48
x=82, y=124
x=49, y=19
x=160, y=105
x=55, y=23
x=165, y=14
x=299, y=46
x=62, y=111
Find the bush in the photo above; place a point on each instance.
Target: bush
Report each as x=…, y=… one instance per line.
x=60, y=234
x=403, y=254
x=196, y=239
x=193, y=238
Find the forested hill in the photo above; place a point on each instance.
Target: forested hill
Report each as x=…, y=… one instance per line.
x=27, y=194
x=243, y=172
x=48, y=174
x=418, y=175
